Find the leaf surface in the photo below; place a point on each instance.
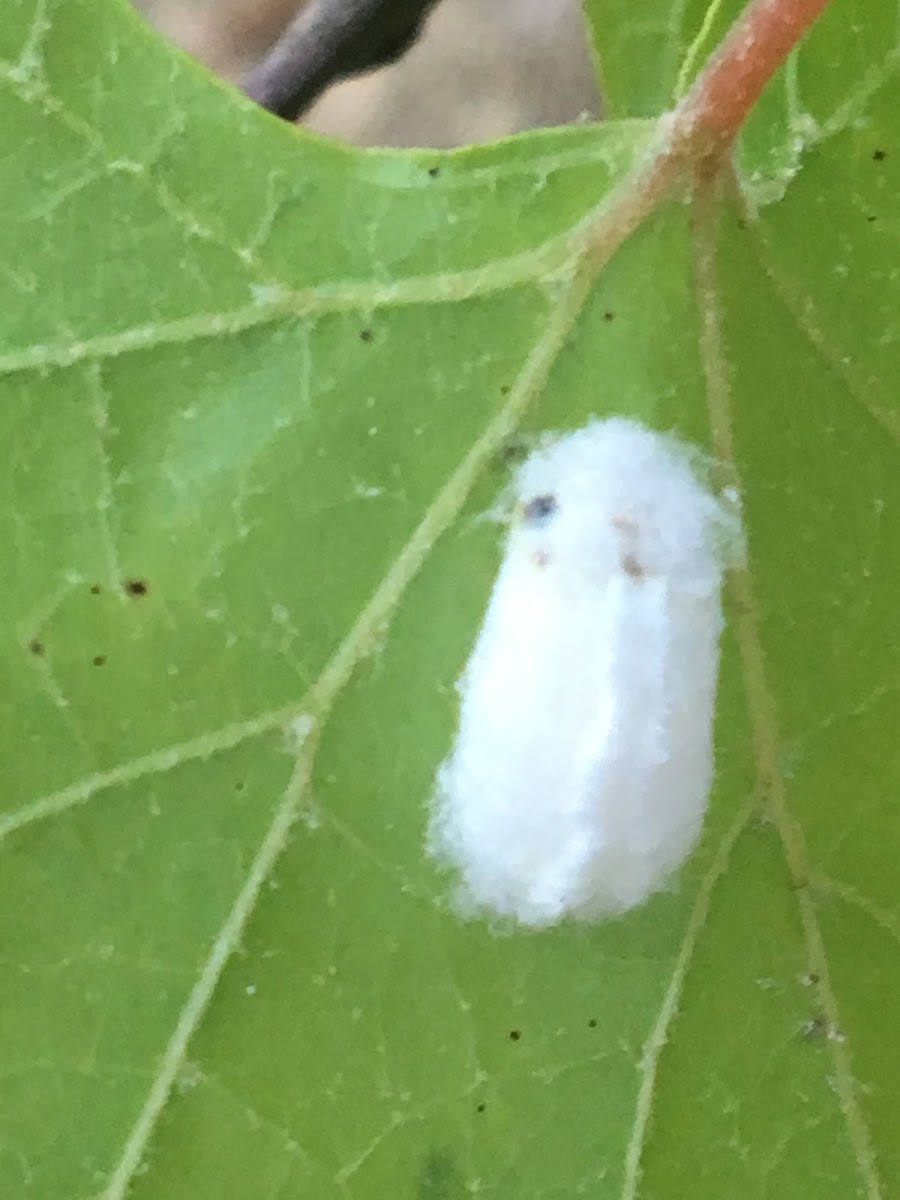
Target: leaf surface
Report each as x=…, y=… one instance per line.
x=259, y=392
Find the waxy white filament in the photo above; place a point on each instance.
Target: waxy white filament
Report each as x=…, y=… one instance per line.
x=583, y=762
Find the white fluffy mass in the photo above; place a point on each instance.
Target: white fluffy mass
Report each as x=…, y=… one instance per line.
x=583, y=761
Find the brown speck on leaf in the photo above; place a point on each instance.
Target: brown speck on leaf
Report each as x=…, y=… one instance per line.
x=137, y=587
x=513, y=450
x=95, y=589
x=36, y=646
x=99, y=660
x=814, y=1028
x=609, y=316
x=366, y=335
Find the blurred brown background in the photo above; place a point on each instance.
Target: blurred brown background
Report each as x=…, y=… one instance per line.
x=482, y=69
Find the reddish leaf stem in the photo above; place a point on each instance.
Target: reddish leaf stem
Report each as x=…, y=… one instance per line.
x=730, y=84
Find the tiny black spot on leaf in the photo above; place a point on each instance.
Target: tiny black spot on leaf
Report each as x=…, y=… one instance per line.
x=99, y=660
x=479, y=1107
x=879, y=155
x=515, y=1035
x=504, y=389
x=137, y=587
x=366, y=335
x=513, y=450
x=434, y=172
x=95, y=589
x=36, y=646
x=592, y=1023
x=609, y=316
x=814, y=1028
x=871, y=218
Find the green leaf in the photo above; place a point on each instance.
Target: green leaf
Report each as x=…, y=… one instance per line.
x=257, y=393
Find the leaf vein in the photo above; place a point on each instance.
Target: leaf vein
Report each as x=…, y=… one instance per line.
x=885, y=920
x=668, y=1011
x=761, y=702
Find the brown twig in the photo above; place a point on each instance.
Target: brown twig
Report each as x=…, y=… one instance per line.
x=730, y=84
x=696, y=138
x=327, y=40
